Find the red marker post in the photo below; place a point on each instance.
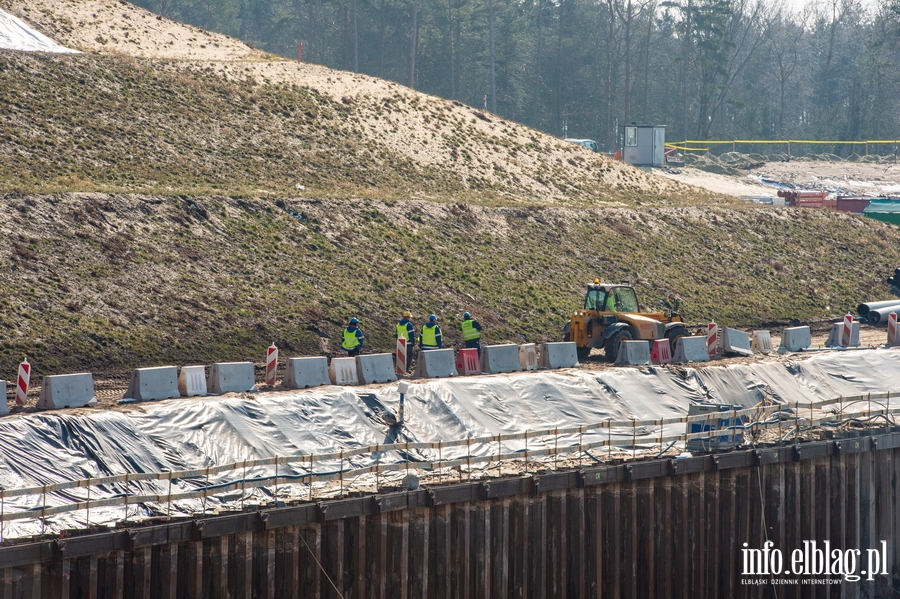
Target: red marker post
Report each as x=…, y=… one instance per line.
x=401, y=356
x=847, y=331
x=23, y=382
x=712, y=339
x=271, y=365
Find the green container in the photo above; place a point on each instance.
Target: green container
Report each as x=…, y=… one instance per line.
x=884, y=210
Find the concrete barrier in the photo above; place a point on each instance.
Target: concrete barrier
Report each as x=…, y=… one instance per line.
x=761, y=341
x=375, y=368
x=435, y=364
x=301, y=373
x=343, y=371
x=231, y=377
x=563, y=354
x=736, y=342
x=67, y=391
x=192, y=381
x=796, y=338
x=149, y=384
x=661, y=352
x=633, y=353
x=528, y=356
x=500, y=358
x=467, y=362
x=834, y=336
x=4, y=407
x=691, y=349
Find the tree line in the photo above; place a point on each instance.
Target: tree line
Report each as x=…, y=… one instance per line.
x=707, y=69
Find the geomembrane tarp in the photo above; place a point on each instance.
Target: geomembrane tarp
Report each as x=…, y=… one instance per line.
x=16, y=35
x=53, y=447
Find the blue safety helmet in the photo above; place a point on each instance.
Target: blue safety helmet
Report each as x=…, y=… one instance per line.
x=467, y=316
x=354, y=320
x=432, y=318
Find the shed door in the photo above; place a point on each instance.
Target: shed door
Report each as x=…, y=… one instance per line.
x=659, y=146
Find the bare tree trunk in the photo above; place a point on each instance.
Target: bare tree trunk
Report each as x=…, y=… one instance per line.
x=345, y=46
x=493, y=63
x=686, y=61
x=611, y=21
x=414, y=44
x=355, y=41
x=647, y=60
x=535, y=108
x=458, y=44
x=381, y=26
x=629, y=17
x=451, y=42
x=560, y=77
x=311, y=28
x=835, y=17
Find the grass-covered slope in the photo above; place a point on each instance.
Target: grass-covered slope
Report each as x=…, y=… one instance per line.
x=99, y=282
x=121, y=124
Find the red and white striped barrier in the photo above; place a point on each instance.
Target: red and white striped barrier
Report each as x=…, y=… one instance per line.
x=23, y=382
x=401, y=357
x=712, y=339
x=847, y=331
x=893, y=330
x=271, y=365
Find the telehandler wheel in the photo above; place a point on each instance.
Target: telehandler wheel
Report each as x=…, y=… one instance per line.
x=612, y=344
x=674, y=334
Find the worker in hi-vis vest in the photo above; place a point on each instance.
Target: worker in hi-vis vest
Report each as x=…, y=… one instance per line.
x=430, y=337
x=407, y=330
x=471, y=331
x=353, y=338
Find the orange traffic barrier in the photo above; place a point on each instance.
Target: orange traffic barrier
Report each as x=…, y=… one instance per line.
x=467, y=362
x=661, y=352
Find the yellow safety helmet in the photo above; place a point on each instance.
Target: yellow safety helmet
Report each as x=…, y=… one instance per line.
x=407, y=314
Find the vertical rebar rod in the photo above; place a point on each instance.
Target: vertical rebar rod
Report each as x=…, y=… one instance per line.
x=526, y=451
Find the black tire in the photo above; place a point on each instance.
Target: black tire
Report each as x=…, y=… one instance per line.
x=612, y=344
x=581, y=352
x=674, y=334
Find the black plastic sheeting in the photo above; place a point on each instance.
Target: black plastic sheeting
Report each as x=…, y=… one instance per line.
x=198, y=433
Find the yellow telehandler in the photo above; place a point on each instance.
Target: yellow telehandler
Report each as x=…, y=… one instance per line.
x=612, y=314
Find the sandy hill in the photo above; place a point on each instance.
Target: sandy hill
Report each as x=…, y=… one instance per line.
x=174, y=196
x=302, y=119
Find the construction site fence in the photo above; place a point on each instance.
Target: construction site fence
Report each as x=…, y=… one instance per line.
x=794, y=418
x=791, y=146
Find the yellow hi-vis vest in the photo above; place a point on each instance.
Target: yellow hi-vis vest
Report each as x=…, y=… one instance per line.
x=403, y=331
x=469, y=332
x=351, y=341
x=429, y=336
